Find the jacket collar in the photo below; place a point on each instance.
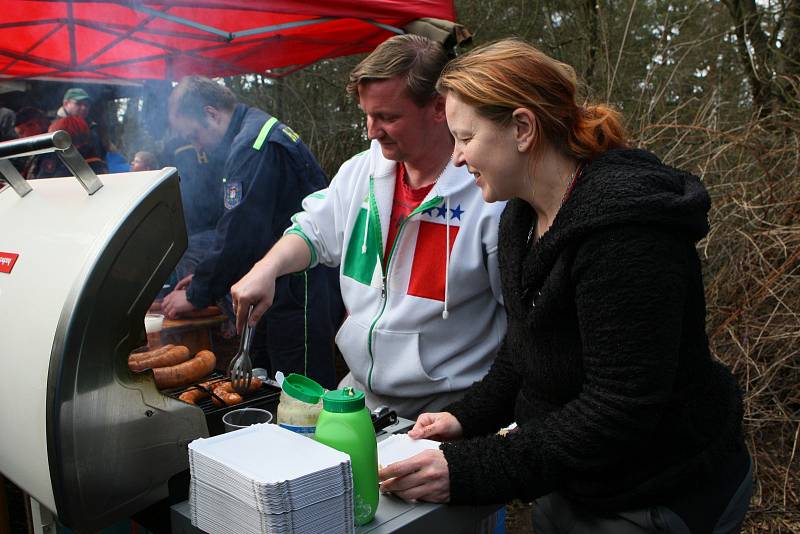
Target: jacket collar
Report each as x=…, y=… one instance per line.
x=220, y=152
x=520, y=266
x=450, y=182
x=620, y=187
x=235, y=125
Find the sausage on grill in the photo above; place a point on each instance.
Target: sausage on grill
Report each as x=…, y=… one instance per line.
x=225, y=392
x=193, y=395
x=172, y=356
x=201, y=391
x=139, y=356
x=228, y=397
x=185, y=373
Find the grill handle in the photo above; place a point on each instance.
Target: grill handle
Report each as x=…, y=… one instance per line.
x=59, y=142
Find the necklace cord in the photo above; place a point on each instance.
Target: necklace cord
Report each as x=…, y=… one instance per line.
x=576, y=172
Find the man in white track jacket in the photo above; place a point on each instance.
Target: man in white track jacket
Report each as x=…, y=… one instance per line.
x=415, y=244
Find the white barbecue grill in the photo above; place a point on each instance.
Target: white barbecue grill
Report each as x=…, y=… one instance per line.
x=80, y=262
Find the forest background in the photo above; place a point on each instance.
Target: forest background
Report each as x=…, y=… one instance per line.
x=709, y=86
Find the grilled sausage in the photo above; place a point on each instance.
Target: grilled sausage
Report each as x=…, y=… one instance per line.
x=193, y=395
x=211, y=384
x=228, y=397
x=185, y=373
x=138, y=356
x=227, y=385
x=225, y=392
x=173, y=356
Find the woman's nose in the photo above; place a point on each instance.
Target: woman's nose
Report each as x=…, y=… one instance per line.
x=458, y=157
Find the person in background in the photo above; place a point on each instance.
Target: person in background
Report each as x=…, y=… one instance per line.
x=415, y=244
x=7, y=121
x=115, y=160
x=50, y=165
x=626, y=424
x=267, y=171
x=31, y=121
x=144, y=161
x=201, y=194
x=201, y=186
x=76, y=103
x=7, y=133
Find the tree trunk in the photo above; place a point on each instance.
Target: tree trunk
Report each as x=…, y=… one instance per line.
x=790, y=54
x=754, y=51
x=592, y=17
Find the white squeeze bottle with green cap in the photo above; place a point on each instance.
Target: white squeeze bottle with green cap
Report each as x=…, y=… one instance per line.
x=345, y=425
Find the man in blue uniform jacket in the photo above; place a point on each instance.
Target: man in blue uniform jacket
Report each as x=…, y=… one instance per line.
x=267, y=172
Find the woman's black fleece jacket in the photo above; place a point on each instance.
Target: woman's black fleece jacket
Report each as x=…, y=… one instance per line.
x=605, y=366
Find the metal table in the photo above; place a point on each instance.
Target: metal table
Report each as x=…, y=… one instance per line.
x=394, y=515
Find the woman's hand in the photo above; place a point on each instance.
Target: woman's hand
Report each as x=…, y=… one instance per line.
x=441, y=426
x=424, y=477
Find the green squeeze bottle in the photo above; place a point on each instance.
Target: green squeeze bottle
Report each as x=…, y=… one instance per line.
x=345, y=425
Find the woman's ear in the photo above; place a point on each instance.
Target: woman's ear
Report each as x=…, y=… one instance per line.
x=524, y=128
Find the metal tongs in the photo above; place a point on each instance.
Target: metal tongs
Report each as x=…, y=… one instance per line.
x=241, y=368
x=210, y=389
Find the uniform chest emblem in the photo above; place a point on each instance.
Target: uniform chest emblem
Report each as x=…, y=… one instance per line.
x=233, y=194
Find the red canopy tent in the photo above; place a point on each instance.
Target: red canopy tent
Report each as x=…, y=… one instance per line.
x=167, y=39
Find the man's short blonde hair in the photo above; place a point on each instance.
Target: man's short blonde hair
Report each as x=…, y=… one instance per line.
x=418, y=58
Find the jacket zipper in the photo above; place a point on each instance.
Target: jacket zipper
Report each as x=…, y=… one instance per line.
x=385, y=267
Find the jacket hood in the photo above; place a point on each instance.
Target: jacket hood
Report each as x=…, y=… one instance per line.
x=620, y=187
x=631, y=186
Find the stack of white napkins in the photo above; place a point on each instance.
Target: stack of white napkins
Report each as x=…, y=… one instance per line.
x=265, y=478
x=399, y=447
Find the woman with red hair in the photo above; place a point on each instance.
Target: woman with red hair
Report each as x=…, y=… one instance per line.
x=625, y=423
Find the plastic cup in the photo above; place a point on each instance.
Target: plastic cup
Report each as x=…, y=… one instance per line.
x=153, y=322
x=244, y=417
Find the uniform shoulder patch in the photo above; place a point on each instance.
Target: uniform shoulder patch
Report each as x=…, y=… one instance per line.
x=233, y=194
x=291, y=134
